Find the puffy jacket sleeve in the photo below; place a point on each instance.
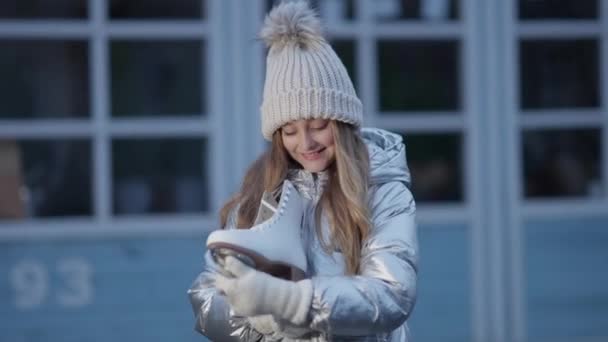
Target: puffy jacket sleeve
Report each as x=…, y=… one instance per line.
x=213, y=316
x=381, y=297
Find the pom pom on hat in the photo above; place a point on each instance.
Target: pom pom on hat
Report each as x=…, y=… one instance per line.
x=291, y=21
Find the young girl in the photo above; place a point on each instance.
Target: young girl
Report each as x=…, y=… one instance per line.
x=359, y=215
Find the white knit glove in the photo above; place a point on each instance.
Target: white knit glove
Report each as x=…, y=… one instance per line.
x=254, y=293
x=264, y=324
x=275, y=330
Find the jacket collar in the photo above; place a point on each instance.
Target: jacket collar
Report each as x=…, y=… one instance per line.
x=309, y=184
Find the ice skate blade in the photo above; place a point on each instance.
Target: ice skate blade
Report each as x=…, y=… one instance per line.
x=219, y=252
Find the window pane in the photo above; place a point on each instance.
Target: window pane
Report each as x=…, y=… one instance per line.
x=159, y=176
x=331, y=11
x=418, y=76
x=154, y=9
x=438, y=244
x=157, y=78
x=36, y=9
x=558, y=74
x=435, y=161
x=566, y=279
x=558, y=9
x=345, y=49
x=562, y=163
x=43, y=79
x=42, y=178
x=431, y=10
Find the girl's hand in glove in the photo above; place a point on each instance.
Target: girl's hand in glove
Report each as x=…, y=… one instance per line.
x=253, y=293
x=278, y=331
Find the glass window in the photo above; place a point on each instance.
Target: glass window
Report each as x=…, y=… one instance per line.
x=558, y=9
x=331, y=11
x=44, y=79
x=152, y=78
x=430, y=10
x=345, y=49
x=438, y=304
x=562, y=163
x=418, y=76
x=44, y=178
x=435, y=162
x=566, y=279
x=156, y=9
x=558, y=74
x=36, y=9
x=159, y=176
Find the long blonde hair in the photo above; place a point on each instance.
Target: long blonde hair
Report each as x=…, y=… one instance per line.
x=344, y=200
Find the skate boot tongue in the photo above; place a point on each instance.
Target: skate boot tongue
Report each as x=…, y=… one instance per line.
x=273, y=246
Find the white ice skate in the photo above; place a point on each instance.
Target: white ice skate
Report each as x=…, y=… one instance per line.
x=273, y=246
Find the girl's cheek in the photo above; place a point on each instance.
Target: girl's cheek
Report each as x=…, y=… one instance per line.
x=288, y=142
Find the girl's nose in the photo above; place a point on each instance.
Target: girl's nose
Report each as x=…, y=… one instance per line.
x=307, y=142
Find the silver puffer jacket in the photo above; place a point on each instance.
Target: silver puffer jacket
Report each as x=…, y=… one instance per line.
x=371, y=306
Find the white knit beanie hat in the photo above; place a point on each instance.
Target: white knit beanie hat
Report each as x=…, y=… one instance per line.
x=305, y=79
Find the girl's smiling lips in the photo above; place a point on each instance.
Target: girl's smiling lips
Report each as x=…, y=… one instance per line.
x=312, y=155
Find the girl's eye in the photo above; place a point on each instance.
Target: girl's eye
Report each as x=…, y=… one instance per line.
x=320, y=127
x=288, y=133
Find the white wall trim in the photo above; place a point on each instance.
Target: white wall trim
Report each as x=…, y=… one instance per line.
x=561, y=119
x=367, y=64
x=182, y=29
x=558, y=29
x=514, y=256
x=473, y=70
x=173, y=224
x=603, y=60
x=46, y=29
x=494, y=169
x=563, y=208
x=46, y=129
x=81, y=229
x=161, y=127
x=418, y=31
x=421, y=122
x=100, y=106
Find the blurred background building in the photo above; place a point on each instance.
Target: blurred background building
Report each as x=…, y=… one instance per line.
x=124, y=125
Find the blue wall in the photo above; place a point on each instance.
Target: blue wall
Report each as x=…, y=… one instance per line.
x=566, y=274
x=98, y=290
x=134, y=289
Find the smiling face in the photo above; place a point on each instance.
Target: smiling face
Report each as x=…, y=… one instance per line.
x=310, y=143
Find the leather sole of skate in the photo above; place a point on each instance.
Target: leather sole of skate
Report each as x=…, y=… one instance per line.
x=219, y=252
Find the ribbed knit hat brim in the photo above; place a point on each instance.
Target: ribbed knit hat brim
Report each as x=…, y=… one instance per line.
x=310, y=103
